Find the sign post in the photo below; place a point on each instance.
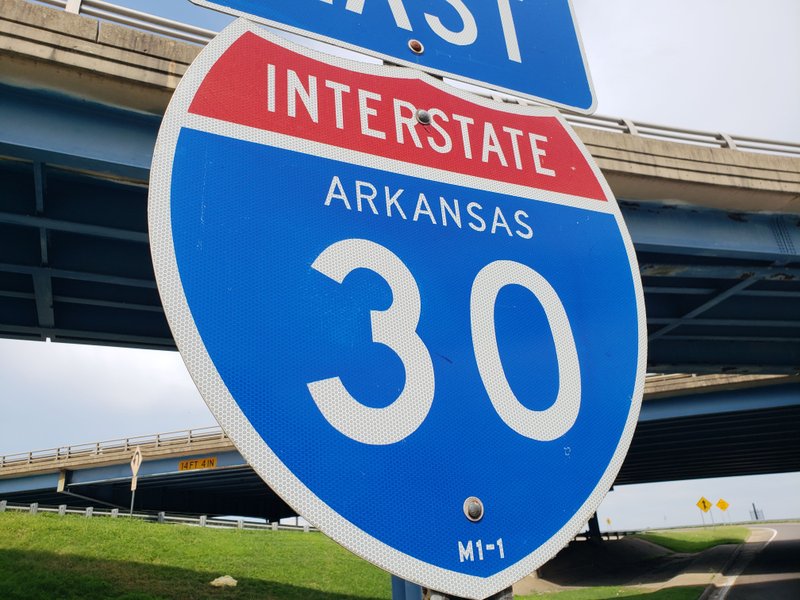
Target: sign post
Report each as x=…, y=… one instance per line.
x=384, y=286
x=704, y=505
x=136, y=462
x=723, y=505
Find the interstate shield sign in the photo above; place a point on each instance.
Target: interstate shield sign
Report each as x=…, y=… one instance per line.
x=416, y=312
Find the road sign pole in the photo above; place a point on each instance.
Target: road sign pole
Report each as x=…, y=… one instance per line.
x=136, y=463
x=506, y=594
x=405, y=590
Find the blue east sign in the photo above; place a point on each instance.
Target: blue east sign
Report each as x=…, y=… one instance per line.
x=529, y=48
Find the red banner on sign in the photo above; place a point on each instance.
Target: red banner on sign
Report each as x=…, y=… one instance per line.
x=379, y=115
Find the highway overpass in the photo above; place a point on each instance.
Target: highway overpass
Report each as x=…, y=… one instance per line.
x=690, y=427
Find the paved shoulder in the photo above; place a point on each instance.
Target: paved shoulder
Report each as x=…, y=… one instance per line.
x=768, y=566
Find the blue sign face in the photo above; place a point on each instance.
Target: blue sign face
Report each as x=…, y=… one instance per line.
x=424, y=330
x=529, y=48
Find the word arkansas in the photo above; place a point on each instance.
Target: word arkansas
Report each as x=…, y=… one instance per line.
x=363, y=196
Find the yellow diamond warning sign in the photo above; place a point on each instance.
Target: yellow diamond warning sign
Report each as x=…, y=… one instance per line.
x=704, y=504
x=722, y=504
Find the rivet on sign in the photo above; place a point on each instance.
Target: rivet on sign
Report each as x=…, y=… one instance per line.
x=424, y=117
x=473, y=509
x=416, y=46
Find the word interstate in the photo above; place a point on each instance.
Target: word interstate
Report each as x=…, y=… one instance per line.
x=364, y=112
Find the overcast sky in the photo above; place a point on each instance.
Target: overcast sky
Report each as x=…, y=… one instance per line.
x=715, y=65
x=712, y=65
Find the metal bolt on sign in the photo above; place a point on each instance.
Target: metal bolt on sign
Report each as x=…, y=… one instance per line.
x=416, y=46
x=473, y=509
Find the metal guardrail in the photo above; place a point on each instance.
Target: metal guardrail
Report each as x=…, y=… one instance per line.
x=121, y=15
x=606, y=535
x=155, y=517
x=150, y=23
x=119, y=448
x=204, y=521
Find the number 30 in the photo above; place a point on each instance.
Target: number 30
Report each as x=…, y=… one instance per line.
x=396, y=327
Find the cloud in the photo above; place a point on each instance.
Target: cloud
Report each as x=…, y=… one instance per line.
x=697, y=65
x=57, y=394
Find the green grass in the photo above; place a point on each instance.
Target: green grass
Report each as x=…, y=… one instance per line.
x=66, y=558
x=604, y=593
x=75, y=558
x=695, y=540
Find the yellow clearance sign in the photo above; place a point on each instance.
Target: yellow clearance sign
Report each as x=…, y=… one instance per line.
x=194, y=464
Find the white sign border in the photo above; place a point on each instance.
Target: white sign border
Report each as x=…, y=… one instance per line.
x=397, y=60
x=213, y=390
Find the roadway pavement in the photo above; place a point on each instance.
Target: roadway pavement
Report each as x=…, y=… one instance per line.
x=767, y=567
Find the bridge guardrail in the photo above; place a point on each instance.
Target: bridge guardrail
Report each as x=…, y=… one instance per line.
x=113, y=13
x=205, y=521
x=121, y=15
x=156, y=517
x=118, y=448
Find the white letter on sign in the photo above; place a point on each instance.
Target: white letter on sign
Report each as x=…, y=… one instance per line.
x=396, y=327
x=468, y=33
x=509, y=31
x=556, y=420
